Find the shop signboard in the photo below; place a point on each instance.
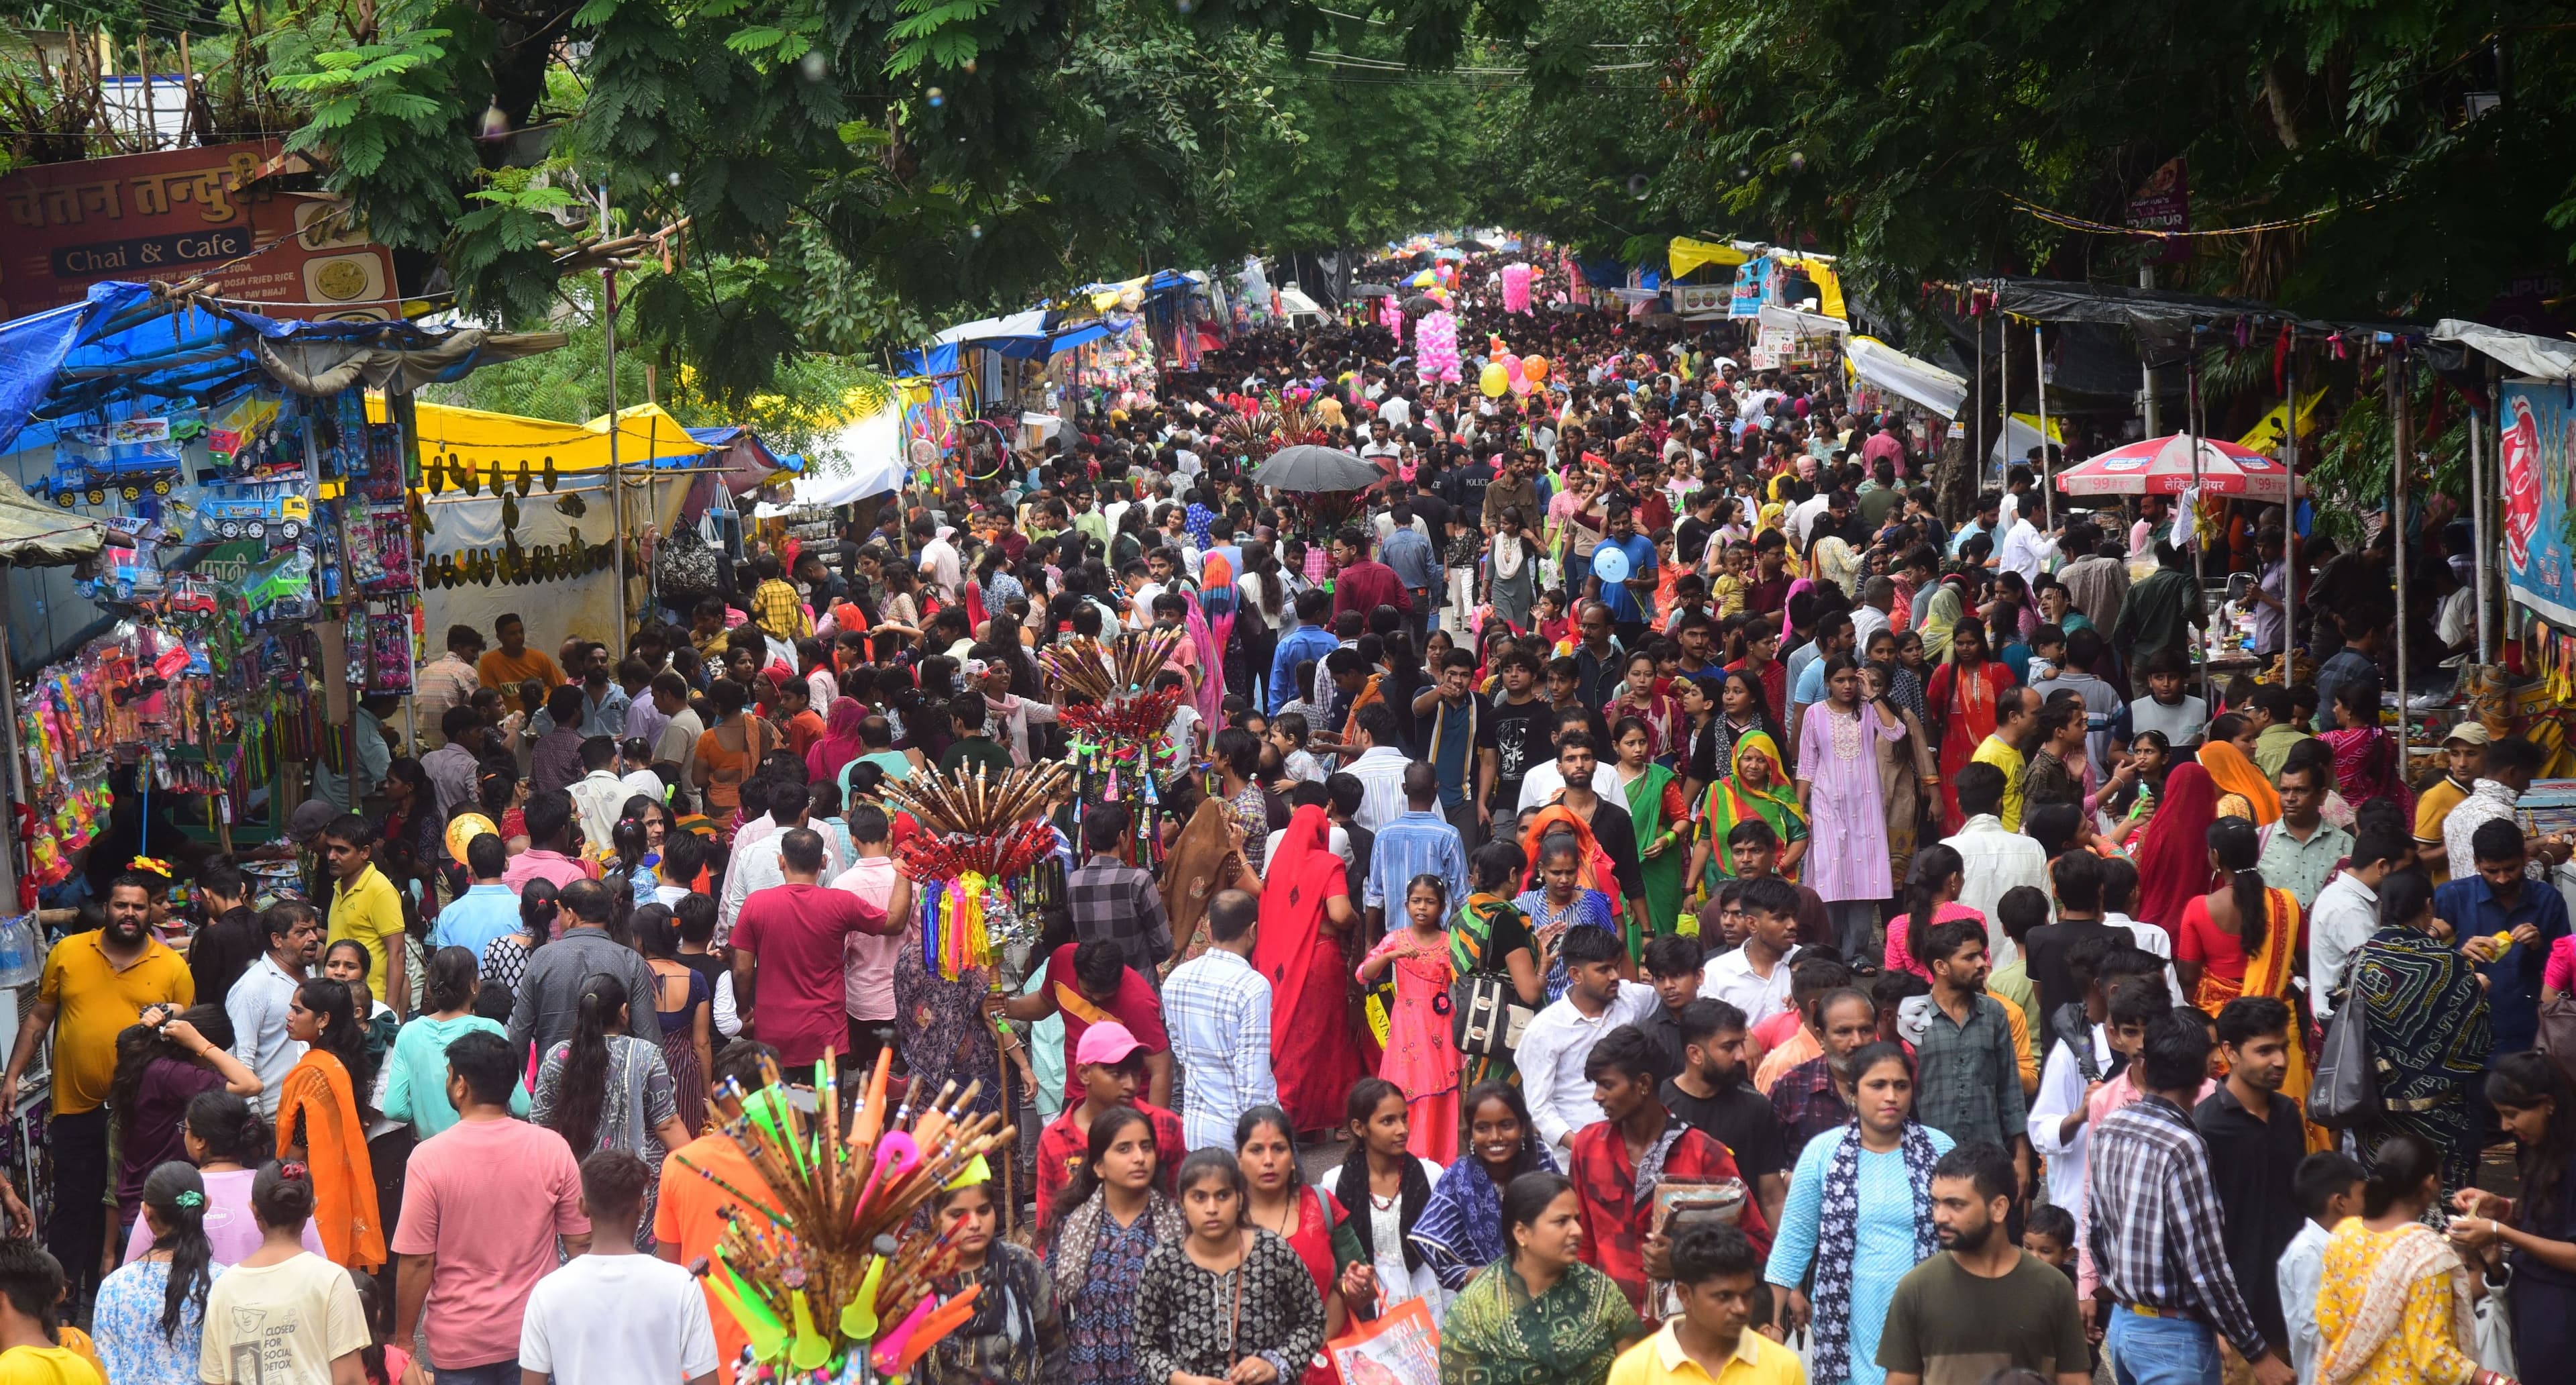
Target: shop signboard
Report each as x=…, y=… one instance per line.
x=2538, y=452
x=182, y=214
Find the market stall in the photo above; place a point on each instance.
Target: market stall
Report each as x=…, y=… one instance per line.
x=258, y=572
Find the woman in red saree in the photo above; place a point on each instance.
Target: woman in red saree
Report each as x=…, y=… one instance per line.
x=2244, y=938
x=1961, y=700
x=2173, y=852
x=1306, y=913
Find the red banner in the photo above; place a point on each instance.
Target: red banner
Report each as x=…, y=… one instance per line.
x=178, y=215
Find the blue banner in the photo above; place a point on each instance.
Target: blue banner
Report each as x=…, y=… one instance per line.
x=2538, y=456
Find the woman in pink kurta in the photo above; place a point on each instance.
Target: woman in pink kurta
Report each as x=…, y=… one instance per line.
x=1838, y=781
x=1421, y=1057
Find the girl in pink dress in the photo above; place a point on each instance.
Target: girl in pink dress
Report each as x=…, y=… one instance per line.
x=1847, y=859
x=1421, y=1058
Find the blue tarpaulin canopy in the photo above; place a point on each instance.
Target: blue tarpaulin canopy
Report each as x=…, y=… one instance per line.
x=132, y=349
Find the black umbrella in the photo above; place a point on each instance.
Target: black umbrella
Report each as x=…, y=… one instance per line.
x=1475, y=247
x=1305, y=467
x=1422, y=305
x=1372, y=291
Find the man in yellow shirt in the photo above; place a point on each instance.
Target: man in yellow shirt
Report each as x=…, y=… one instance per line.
x=95, y=985
x=505, y=668
x=2016, y=716
x=365, y=907
x=2465, y=750
x=1715, y=1275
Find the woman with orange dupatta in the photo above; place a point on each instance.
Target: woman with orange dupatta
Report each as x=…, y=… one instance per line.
x=2241, y=784
x=1306, y=914
x=2245, y=938
x=1961, y=700
x=318, y=1123
x=2173, y=852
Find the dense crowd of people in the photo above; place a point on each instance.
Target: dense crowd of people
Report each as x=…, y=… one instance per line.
x=1733, y=922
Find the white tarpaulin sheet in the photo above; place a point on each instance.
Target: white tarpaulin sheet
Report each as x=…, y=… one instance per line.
x=1887, y=368
x=1031, y=323
x=1803, y=324
x=2545, y=358
x=870, y=453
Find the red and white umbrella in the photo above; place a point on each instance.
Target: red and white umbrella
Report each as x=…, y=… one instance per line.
x=2164, y=466
x=2265, y=477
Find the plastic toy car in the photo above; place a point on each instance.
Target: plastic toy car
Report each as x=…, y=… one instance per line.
x=193, y=595
x=129, y=458
x=251, y=516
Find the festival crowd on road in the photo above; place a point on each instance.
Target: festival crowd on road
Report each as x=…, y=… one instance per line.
x=1737, y=926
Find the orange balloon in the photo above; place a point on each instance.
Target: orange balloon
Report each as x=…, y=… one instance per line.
x=1533, y=368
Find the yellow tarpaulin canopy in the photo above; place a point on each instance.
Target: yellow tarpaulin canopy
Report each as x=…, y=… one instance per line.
x=1688, y=254
x=1829, y=285
x=645, y=432
x=2265, y=437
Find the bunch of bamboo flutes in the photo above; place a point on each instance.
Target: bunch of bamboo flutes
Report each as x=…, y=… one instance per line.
x=1102, y=672
x=834, y=1214
x=978, y=806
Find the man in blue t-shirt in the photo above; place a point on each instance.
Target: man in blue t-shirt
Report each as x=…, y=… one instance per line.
x=1631, y=600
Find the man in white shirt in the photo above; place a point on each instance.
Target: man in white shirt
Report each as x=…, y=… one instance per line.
x=938, y=560
x=762, y=863
x=1992, y=859
x=1380, y=767
x=1396, y=412
x=1555, y=1043
x=600, y=794
x=258, y=1002
x=1544, y=779
x=1754, y=978
x=2346, y=911
x=614, y=1315
x=1216, y=1009
x=2025, y=550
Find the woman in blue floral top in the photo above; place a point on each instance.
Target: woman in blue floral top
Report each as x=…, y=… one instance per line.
x=151, y=1313
x=1107, y=1222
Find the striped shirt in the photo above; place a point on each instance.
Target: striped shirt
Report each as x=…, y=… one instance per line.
x=2155, y=1220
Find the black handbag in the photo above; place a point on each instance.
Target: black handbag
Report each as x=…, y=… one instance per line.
x=685, y=565
x=2345, y=1091
x=1486, y=1017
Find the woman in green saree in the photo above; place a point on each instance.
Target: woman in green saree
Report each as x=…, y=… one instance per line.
x=1662, y=820
x=1757, y=787
x=1538, y=1316
x=1488, y=933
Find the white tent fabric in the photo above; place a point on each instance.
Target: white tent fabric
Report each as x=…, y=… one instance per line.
x=1031, y=323
x=871, y=452
x=1805, y=324
x=2545, y=358
x=1882, y=365
x=2020, y=435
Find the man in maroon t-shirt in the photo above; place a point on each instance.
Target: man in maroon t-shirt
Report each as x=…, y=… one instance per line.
x=1088, y=983
x=1361, y=583
x=789, y=939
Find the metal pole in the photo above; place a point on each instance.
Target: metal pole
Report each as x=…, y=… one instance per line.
x=2478, y=524
x=616, y=474
x=2147, y=373
x=2401, y=426
x=1977, y=429
x=2003, y=356
x=2189, y=518
x=2039, y=386
x=2290, y=534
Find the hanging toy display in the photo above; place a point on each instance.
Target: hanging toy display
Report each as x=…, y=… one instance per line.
x=836, y=1286
x=986, y=861
x=1121, y=729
